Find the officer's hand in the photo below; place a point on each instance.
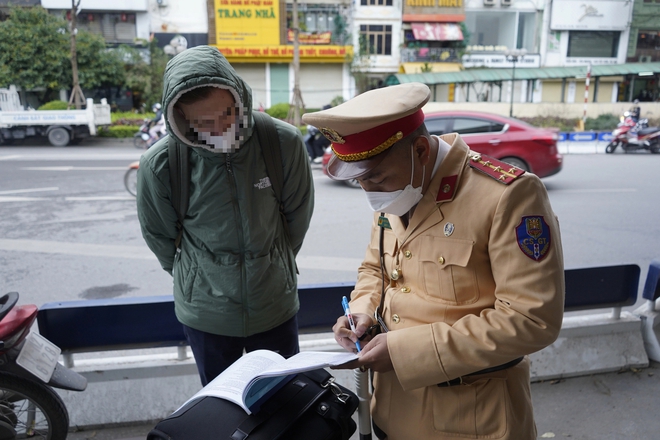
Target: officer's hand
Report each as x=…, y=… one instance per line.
x=375, y=355
x=345, y=336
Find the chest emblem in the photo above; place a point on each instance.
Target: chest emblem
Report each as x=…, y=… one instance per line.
x=383, y=222
x=533, y=236
x=449, y=229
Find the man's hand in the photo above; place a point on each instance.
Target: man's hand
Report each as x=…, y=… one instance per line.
x=343, y=333
x=375, y=356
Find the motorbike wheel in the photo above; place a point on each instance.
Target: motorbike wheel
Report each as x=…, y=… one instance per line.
x=611, y=147
x=655, y=147
x=33, y=409
x=138, y=142
x=130, y=181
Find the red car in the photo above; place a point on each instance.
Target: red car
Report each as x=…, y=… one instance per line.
x=508, y=139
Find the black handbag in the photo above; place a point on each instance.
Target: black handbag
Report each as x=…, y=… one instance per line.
x=311, y=406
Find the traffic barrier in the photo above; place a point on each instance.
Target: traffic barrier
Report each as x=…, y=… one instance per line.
x=648, y=313
x=99, y=337
x=600, y=342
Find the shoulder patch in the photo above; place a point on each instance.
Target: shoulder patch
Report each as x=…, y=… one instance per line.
x=498, y=170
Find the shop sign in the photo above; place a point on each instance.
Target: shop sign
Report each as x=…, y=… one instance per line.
x=247, y=22
x=607, y=15
x=499, y=61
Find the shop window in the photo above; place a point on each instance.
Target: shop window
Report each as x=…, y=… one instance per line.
x=114, y=27
x=648, y=40
x=376, y=2
x=593, y=44
x=377, y=39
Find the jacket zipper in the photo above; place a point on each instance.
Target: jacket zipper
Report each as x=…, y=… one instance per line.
x=239, y=227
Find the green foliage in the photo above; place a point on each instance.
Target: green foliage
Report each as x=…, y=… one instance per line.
x=54, y=105
x=97, y=66
x=279, y=111
x=129, y=118
x=601, y=123
x=118, y=131
x=35, y=52
x=337, y=100
x=144, y=71
x=551, y=122
x=426, y=68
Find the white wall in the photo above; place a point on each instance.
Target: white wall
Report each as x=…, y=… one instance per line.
x=187, y=16
x=320, y=83
x=102, y=5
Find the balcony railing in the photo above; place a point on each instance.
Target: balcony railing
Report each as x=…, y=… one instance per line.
x=429, y=55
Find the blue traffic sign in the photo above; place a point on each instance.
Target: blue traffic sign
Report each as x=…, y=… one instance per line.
x=605, y=136
x=582, y=137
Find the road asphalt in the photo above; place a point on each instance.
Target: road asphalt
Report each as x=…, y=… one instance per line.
x=610, y=406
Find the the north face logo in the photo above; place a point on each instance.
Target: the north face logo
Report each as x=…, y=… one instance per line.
x=263, y=183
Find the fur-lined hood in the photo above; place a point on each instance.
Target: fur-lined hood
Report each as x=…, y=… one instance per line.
x=202, y=66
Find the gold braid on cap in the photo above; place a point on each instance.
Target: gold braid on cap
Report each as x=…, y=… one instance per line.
x=354, y=157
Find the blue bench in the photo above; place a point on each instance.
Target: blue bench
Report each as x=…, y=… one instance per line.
x=149, y=322
x=651, y=290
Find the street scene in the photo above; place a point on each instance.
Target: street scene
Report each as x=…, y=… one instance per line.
x=171, y=267
x=70, y=232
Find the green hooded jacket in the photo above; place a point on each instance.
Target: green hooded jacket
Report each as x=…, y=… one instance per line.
x=235, y=274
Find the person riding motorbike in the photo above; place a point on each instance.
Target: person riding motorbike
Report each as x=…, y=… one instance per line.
x=158, y=129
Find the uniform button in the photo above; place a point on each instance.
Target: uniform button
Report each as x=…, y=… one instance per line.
x=396, y=318
x=405, y=289
x=408, y=254
x=441, y=260
x=396, y=273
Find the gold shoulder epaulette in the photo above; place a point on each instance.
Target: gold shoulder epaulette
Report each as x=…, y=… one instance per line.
x=498, y=170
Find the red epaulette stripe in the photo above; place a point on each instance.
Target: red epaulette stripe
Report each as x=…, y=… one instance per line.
x=498, y=170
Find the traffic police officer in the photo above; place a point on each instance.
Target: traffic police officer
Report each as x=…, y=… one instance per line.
x=464, y=271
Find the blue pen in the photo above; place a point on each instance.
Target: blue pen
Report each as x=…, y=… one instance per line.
x=347, y=311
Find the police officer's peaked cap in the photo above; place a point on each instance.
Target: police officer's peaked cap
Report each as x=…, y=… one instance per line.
x=365, y=127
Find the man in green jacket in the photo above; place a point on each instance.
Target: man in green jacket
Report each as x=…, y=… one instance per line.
x=235, y=275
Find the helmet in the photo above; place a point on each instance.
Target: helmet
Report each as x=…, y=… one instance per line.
x=156, y=106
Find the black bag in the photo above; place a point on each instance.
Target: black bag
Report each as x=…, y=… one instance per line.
x=309, y=407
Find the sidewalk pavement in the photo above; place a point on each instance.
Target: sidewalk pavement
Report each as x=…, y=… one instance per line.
x=610, y=406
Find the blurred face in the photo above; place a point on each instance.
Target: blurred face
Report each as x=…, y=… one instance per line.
x=214, y=114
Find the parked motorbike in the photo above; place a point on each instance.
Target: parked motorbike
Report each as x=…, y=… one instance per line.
x=29, y=367
x=632, y=134
x=142, y=139
x=130, y=180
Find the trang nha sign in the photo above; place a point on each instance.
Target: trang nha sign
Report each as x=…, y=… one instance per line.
x=247, y=22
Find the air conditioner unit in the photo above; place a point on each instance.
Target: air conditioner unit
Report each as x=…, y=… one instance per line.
x=645, y=59
x=506, y=2
x=489, y=2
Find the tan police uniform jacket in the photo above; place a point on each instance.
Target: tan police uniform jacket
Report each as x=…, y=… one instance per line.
x=481, y=283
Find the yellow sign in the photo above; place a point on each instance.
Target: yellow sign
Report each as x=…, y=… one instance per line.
x=247, y=22
x=308, y=54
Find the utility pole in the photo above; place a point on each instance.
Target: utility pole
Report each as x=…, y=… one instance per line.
x=77, y=98
x=297, y=103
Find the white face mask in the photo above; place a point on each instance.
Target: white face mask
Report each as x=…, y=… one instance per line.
x=397, y=202
x=225, y=143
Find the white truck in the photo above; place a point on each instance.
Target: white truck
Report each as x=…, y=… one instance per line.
x=61, y=127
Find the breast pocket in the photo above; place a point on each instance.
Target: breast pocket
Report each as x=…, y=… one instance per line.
x=445, y=269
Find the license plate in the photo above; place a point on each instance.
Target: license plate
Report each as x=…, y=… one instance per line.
x=39, y=356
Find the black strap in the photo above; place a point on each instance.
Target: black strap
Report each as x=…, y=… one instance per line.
x=179, y=161
x=459, y=380
x=283, y=409
x=272, y=152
